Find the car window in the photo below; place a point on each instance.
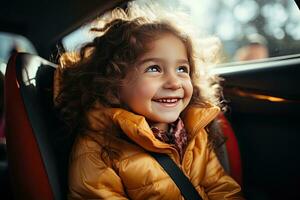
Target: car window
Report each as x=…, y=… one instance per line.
x=10, y=43
x=246, y=29
x=74, y=41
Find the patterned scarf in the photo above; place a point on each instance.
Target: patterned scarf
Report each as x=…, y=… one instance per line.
x=176, y=135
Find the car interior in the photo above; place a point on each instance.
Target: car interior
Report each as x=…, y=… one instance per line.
x=261, y=123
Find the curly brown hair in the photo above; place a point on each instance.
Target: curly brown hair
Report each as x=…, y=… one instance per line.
x=96, y=72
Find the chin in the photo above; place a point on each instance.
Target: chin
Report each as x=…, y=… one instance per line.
x=166, y=119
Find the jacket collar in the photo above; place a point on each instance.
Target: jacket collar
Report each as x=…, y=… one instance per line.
x=137, y=129
x=195, y=118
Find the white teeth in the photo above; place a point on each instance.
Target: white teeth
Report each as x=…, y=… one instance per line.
x=167, y=100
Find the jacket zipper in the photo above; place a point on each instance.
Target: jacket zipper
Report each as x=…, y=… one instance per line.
x=176, y=155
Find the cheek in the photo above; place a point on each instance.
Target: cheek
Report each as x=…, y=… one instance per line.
x=142, y=90
x=188, y=89
x=145, y=89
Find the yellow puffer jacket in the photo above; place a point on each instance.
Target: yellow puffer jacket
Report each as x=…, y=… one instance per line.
x=105, y=166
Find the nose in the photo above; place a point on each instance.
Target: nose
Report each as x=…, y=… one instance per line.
x=172, y=82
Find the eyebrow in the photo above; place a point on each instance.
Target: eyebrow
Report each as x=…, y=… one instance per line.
x=160, y=60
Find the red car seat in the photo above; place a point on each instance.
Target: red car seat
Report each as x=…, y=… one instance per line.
x=232, y=148
x=37, y=169
x=37, y=158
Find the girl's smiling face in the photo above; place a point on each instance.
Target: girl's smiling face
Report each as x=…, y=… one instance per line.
x=161, y=86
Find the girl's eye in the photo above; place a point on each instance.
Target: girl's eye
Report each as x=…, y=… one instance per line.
x=153, y=68
x=183, y=69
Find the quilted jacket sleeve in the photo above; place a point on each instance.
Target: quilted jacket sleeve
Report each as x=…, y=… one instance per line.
x=217, y=184
x=91, y=178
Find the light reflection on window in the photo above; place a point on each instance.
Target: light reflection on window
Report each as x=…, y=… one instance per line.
x=243, y=26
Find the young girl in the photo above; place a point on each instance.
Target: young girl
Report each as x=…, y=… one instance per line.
x=138, y=88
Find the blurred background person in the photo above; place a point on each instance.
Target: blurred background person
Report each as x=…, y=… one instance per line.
x=256, y=48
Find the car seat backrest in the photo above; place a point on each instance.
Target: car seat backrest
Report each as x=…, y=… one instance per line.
x=37, y=160
x=232, y=149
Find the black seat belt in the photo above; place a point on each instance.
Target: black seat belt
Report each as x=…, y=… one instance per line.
x=183, y=183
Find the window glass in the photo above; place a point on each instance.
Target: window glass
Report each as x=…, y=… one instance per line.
x=247, y=29
x=74, y=41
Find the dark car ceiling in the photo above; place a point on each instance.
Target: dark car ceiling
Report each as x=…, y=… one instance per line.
x=43, y=22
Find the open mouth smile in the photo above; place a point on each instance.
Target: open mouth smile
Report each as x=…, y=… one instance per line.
x=168, y=102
